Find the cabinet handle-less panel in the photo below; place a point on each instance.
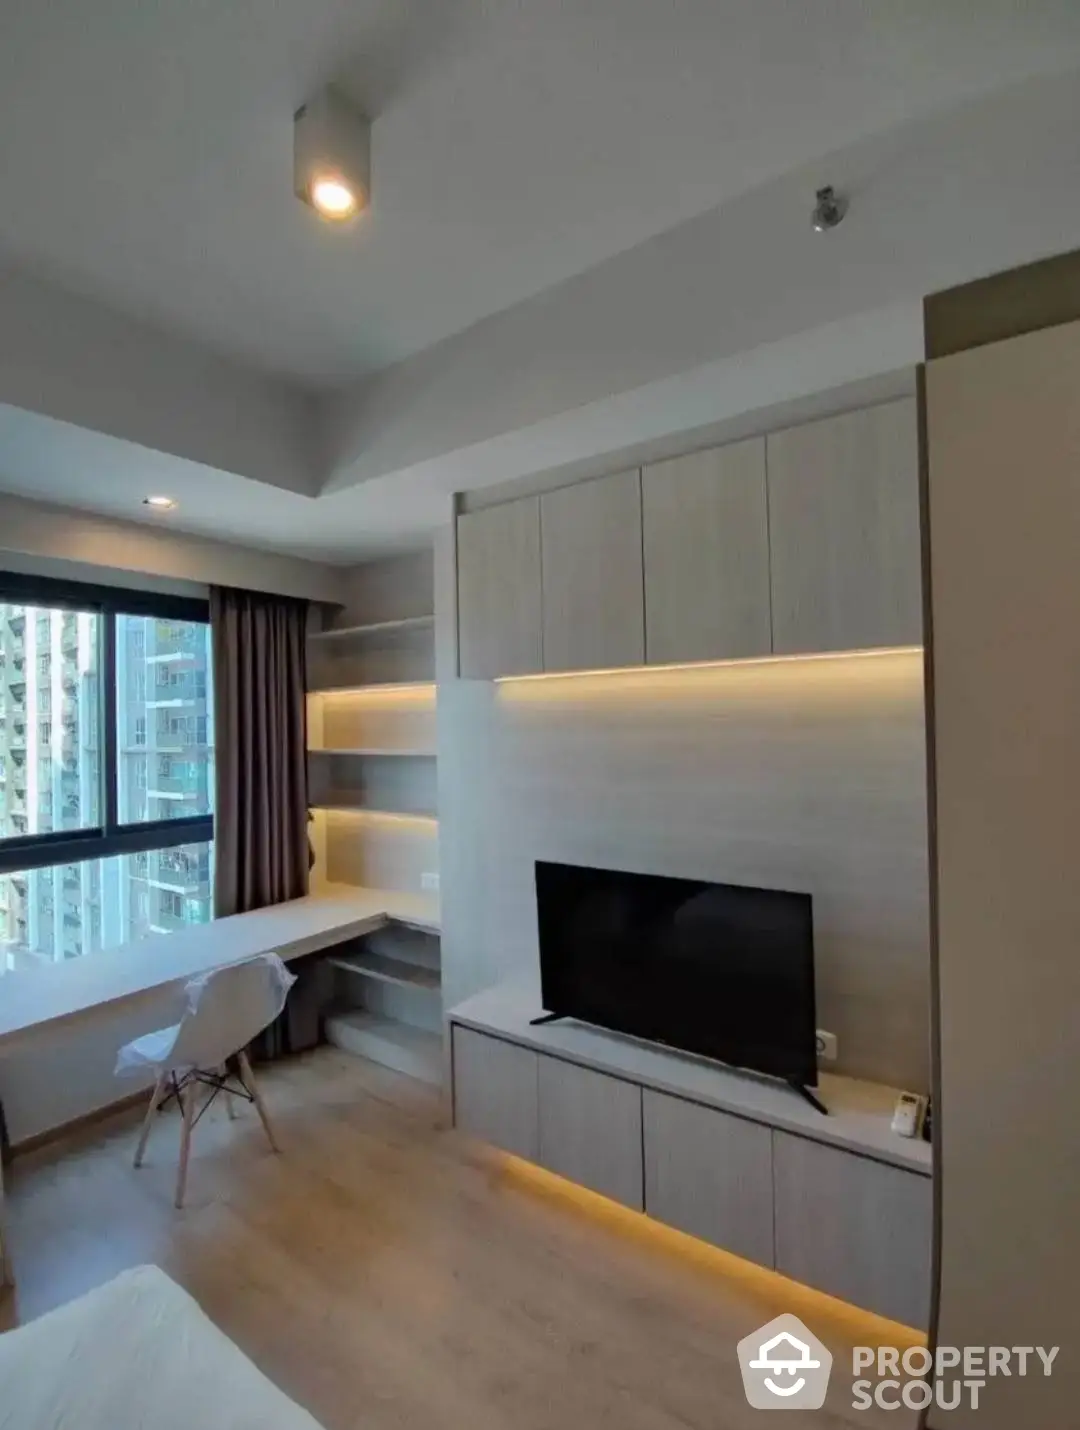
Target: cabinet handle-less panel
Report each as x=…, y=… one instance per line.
x=594, y=615
x=500, y=624
x=844, y=532
x=590, y=1130
x=855, y=1228
x=706, y=537
x=706, y=1172
x=495, y=1092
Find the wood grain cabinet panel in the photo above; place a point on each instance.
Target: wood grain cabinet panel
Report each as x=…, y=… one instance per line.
x=709, y=1174
x=706, y=540
x=853, y=1227
x=590, y=1130
x=594, y=615
x=495, y=1092
x=844, y=532
x=500, y=624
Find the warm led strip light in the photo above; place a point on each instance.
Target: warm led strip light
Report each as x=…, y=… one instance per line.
x=769, y=1287
x=378, y=816
x=418, y=690
x=737, y=663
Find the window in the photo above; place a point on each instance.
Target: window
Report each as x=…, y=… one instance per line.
x=113, y=801
x=49, y=915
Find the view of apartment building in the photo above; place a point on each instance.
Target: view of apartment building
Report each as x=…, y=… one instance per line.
x=51, y=708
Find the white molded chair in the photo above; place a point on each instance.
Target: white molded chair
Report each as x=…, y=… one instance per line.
x=226, y=1008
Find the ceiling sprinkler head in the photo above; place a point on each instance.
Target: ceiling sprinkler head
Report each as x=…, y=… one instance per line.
x=829, y=209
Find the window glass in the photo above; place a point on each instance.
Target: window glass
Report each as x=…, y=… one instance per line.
x=54, y=914
x=58, y=674
x=50, y=761
x=165, y=748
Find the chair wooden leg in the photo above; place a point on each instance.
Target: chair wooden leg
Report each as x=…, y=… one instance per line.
x=247, y=1077
x=223, y=1071
x=148, y=1120
x=187, y=1103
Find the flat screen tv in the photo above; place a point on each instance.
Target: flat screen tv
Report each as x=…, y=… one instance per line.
x=715, y=969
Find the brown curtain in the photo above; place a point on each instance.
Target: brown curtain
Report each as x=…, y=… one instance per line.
x=260, y=825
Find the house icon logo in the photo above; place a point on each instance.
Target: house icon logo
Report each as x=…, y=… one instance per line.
x=785, y=1367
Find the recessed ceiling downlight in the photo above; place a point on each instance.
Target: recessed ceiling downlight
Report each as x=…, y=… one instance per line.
x=160, y=503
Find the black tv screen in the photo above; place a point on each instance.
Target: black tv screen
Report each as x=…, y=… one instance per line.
x=715, y=969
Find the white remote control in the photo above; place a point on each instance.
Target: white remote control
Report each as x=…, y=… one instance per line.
x=907, y=1115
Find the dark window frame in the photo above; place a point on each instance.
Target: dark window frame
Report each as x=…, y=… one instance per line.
x=110, y=838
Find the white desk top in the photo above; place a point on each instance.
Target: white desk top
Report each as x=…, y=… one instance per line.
x=50, y=995
x=859, y=1112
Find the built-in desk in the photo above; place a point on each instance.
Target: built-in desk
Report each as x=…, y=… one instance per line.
x=44, y=997
x=839, y=1202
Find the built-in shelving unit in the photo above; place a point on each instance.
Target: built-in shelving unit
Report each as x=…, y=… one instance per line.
x=389, y=970
x=418, y=1052
x=371, y=752
x=344, y=804
x=375, y=629
x=373, y=792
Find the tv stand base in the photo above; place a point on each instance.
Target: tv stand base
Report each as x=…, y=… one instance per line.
x=804, y=1091
x=543, y=1018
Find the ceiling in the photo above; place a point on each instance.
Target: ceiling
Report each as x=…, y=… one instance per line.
x=588, y=236
x=146, y=149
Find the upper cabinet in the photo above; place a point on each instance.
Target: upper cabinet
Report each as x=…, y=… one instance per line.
x=844, y=532
x=594, y=614
x=806, y=540
x=706, y=538
x=500, y=624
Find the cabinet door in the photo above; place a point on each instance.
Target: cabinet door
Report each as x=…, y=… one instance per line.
x=844, y=532
x=709, y=1174
x=495, y=1092
x=499, y=618
x=856, y=1228
x=706, y=541
x=590, y=1130
x=594, y=615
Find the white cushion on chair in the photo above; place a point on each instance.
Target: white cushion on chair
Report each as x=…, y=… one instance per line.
x=151, y=1051
x=226, y=1008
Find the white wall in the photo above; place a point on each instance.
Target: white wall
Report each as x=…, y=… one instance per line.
x=932, y=205
x=65, y=1074
x=389, y=589
x=805, y=775
x=36, y=532
x=1003, y=424
x=72, y=358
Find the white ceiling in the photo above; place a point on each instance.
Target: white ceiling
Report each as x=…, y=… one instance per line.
x=145, y=150
x=589, y=237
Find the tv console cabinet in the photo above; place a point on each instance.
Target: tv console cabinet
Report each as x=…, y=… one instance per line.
x=840, y=1202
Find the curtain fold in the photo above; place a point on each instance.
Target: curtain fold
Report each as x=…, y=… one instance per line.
x=260, y=736
x=261, y=804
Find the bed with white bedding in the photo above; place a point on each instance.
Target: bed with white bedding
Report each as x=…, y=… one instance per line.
x=136, y=1354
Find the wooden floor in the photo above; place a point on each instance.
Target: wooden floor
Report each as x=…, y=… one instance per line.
x=387, y=1274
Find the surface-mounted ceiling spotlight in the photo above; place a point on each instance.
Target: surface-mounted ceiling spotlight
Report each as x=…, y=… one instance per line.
x=160, y=503
x=332, y=156
x=829, y=209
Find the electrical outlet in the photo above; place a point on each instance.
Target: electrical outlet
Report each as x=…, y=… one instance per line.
x=429, y=883
x=826, y=1047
